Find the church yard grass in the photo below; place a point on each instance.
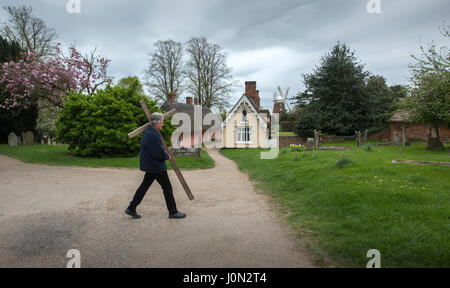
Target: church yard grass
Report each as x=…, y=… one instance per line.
x=344, y=203
x=60, y=155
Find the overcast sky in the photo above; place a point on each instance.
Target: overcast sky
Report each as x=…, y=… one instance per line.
x=269, y=41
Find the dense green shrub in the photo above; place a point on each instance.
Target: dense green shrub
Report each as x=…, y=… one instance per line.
x=98, y=125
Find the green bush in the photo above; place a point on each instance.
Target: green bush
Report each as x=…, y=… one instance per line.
x=97, y=126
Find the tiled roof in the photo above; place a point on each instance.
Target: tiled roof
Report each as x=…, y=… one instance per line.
x=400, y=116
x=188, y=109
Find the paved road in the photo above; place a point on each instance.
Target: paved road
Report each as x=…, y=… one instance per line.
x=47, y=210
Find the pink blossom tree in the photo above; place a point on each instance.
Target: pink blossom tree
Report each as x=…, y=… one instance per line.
x=31, y=79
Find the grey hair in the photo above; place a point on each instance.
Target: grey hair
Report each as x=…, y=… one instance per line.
x=156, y=118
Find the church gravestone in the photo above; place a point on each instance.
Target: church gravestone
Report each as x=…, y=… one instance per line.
x=12, y=139
x=396, y=138
x=309, y=145
x=28, y=138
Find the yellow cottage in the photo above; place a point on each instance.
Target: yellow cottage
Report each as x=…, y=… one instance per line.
x=246, y=125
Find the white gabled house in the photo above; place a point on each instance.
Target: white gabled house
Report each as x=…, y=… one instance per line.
x=246, y=125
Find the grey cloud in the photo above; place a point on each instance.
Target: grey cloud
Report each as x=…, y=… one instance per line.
x=302, y=30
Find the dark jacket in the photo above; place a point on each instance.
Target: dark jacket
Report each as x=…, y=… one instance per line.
x=152, y=154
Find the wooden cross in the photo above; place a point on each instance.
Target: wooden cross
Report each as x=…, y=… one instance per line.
x=172, y=161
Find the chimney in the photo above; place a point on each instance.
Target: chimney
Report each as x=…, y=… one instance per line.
x=195, y=101
x=171, y=97
x=250, y=89
x=257, y=99
x=252, y=93
x=189, y=100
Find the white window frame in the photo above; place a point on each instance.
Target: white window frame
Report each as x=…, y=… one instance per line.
x=241, y=133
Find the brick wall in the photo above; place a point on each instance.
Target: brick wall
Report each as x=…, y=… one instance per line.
x=413, y=132
x=332, y=138
x=285, y=141
x=382, y=135
x=418, y=132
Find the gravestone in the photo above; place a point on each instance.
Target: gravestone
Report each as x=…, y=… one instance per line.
x=19, y=140
x=358, y=138
x=28, y=138
x=183, y=151
x=317, y=139
x=12, y=139
x=366, y=136
x=309, y=145
x=396, y=138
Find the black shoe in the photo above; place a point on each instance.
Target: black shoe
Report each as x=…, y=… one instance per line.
x=177, y=215
x=133, y=214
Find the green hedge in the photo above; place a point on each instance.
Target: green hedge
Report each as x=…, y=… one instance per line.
x=97, y=126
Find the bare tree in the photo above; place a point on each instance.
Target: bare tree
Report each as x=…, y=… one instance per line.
x=165, y=72
x=209, y=78
x=29, y=31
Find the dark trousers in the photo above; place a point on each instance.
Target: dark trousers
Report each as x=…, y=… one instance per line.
x=163, y=180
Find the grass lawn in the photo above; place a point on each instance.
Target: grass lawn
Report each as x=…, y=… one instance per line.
x=400, y=209
x=60, y=155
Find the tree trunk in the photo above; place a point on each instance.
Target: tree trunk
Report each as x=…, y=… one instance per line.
x=435, y=143
x=403, y=136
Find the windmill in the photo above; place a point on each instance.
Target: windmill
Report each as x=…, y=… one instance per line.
x=280, y=100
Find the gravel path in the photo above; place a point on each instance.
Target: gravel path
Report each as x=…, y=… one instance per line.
x=47, y=210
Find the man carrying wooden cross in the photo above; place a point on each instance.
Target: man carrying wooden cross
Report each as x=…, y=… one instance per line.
x=153, y=162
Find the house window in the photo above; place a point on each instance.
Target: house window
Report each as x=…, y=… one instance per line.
x=244, y=116
x=243, y=135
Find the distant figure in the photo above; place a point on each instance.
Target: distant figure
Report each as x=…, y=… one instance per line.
x=400, y=151
x=153, y=162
